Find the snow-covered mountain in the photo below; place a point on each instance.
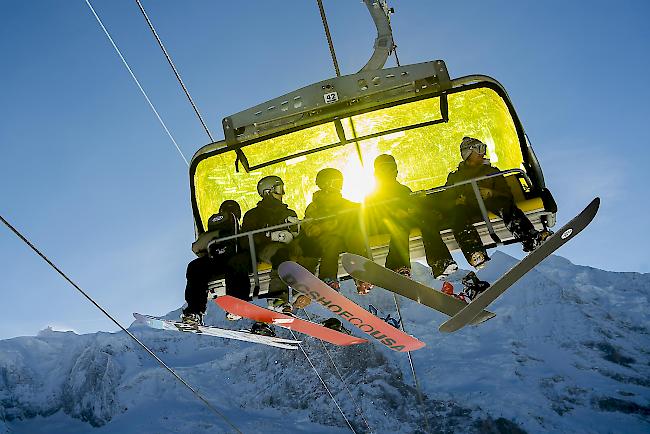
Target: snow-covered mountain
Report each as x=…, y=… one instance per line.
x=569, y=351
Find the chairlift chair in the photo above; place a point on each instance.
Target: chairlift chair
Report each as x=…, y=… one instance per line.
x=416, y=113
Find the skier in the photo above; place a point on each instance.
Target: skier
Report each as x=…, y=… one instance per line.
x=219, y=259
x=391, y=208
x=497, y=198
x=335, y=227
x=277, y=246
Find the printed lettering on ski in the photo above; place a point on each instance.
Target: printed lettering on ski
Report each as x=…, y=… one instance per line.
x=336, y=303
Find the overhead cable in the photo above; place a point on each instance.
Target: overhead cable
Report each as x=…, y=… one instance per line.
x=338, y=373
x=136, y=81
x=328, y=36
x=109, y=316
x=176, y=73
x=324, y=384
x=415, y=377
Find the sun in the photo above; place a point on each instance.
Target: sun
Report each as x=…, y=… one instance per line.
x=358, y=181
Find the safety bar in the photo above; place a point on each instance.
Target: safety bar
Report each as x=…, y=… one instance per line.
x=473, y=182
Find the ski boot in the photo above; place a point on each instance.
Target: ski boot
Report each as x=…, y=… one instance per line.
x=443, y=269
x=192, y=319
x=300, y=301
x=363, y=288
x=280, y=305
x=448, y=288
x=473, y=285
x=263, y=329
x=332, y=283
x=232, y=317
x=404, y=271
x=335, y=324
x=478, y=259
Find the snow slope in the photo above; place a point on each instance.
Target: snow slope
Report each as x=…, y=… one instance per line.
x=569, y=351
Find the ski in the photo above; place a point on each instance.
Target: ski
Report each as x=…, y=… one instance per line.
x=300, y=279
x=257, y=313
x=554, y=242
x=241, y=335
x=369, y=271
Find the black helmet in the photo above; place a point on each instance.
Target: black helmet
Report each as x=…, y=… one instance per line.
x=270, y=184
x=230, y=206
x=329, y=178
x=385, y=164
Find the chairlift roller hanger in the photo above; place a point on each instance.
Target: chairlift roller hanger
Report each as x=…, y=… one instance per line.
x=370, y=89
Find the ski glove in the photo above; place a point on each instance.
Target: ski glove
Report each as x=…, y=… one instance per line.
x=296, y=228
x=282, y=236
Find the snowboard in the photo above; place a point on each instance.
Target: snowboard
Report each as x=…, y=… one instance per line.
x=240, y=335
x=554, y=242
x=301, y=280
x=369, y=271
x=257, y=313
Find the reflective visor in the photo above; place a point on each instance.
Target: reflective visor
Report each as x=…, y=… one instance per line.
x=479, y=148
x=278, y=188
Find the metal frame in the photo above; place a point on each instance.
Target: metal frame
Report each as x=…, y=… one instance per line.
x=473, y=182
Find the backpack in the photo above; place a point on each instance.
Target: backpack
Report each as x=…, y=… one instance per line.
x=222, y=225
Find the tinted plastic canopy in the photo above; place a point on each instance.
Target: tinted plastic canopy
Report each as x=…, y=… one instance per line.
x=414, y=113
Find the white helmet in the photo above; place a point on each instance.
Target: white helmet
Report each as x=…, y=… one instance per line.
x=270, y=184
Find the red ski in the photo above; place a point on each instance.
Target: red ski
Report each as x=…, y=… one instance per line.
x=257, y=313
x=300, y=279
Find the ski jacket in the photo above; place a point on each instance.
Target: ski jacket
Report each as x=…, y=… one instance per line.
x=268, y=212
x=392, y=200
x=497, y=184
x=326, y=204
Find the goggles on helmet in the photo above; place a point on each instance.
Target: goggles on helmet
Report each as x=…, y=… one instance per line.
x=277, y=188
x=478, y=147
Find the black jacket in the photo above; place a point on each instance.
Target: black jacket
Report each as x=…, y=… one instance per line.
x=344, y=213
x=268, y=212
x=497, y=184
x=390, y=201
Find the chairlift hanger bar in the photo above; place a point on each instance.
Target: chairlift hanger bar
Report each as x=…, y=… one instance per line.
x=323, y=100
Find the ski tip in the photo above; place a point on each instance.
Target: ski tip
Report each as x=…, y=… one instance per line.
x=445, y=327
x=287, y=267
x=596, y=202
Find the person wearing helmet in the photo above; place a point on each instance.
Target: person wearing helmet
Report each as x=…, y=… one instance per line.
x=391, y=208
x=497, y=198
x=333, y=227
x=279, y=245
x=218, y=259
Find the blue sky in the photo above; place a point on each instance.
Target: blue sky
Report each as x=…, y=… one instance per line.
x=90, y=176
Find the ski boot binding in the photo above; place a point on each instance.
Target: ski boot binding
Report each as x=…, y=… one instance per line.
x=192, y=319
x=263, y=329
x=335, y=324
x=473, y=285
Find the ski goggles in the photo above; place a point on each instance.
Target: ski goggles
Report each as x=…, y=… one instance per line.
x=278, y=188
x=478, y=147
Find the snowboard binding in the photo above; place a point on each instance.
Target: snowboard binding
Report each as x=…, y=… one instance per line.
x=473, y=286
x=389, y=320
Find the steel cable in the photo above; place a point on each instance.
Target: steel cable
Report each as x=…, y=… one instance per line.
x=101, y=24
x=338, y=372
x=415, y=377
x=329, y=392
x=176, y=73
x=109, y=316
x=329, y=37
